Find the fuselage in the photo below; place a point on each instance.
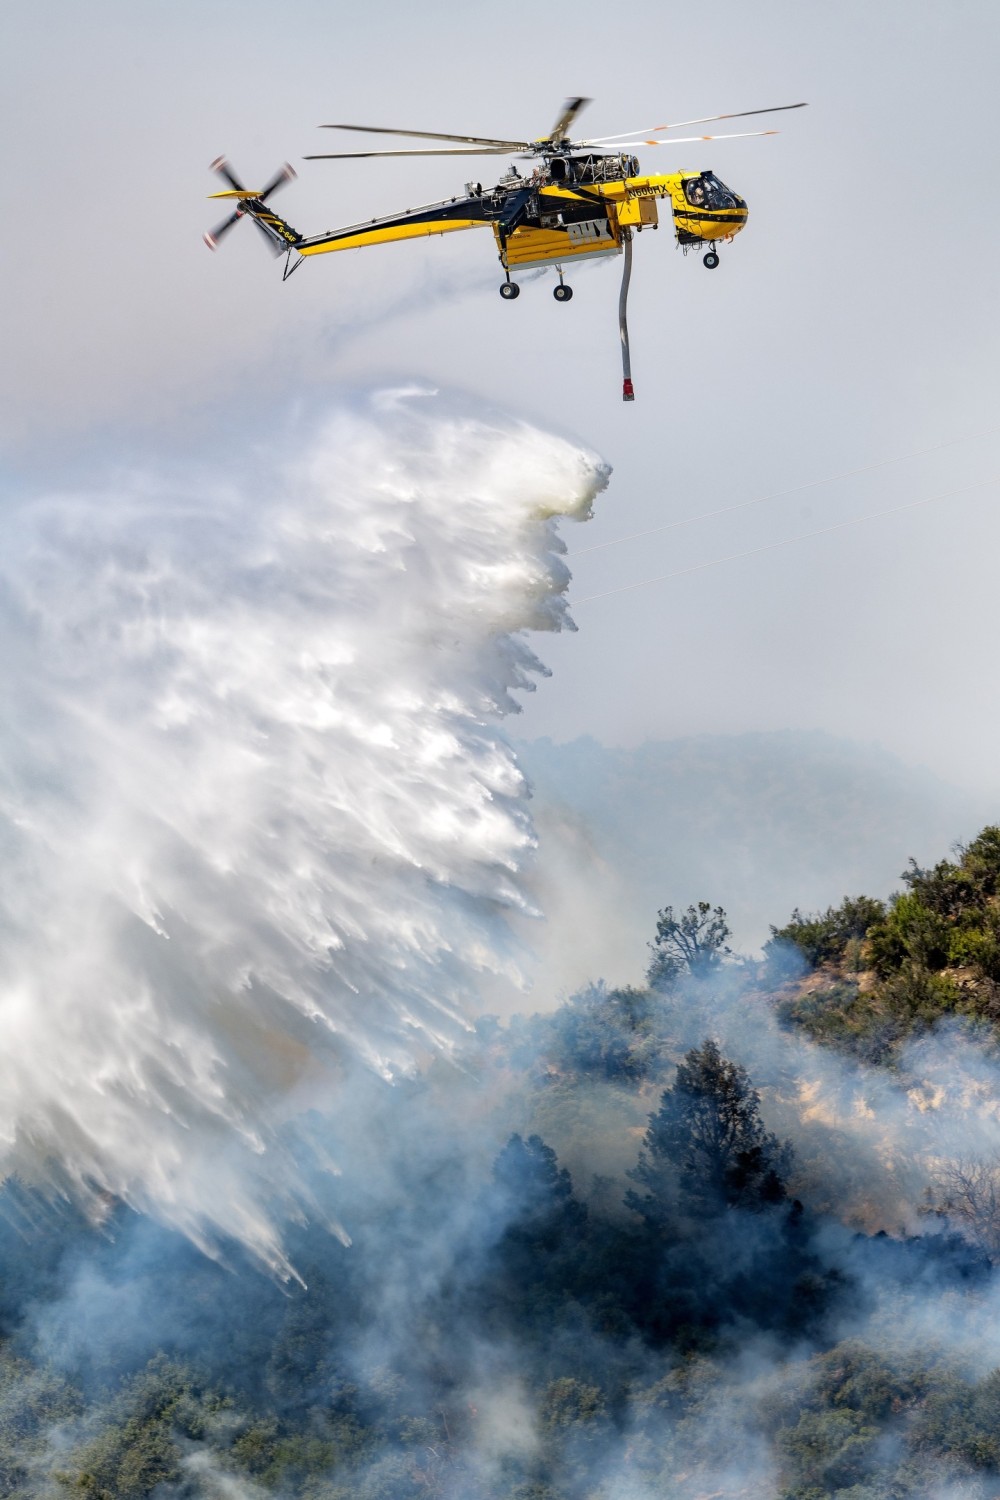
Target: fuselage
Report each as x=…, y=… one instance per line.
x=569, y=207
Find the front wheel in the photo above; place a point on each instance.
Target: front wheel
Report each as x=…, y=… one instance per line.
x=510, y=290
x=562, y=293
x=711, y=260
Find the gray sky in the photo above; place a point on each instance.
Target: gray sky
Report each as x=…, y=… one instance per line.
x=853, y=321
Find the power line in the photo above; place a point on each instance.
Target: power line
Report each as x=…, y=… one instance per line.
x=726, y=510
x=788, y=540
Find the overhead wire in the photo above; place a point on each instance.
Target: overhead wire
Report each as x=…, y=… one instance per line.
x=788, y=540
x=726, y=510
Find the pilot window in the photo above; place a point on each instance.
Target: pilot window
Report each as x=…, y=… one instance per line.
x=708, y=192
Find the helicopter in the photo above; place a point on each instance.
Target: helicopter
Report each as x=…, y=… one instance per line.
x=575, y=200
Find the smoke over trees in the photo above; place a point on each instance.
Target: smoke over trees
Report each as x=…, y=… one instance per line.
x=675, y=1316
x=967, y=1191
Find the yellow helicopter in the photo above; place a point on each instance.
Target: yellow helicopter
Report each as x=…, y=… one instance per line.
x=580, y=200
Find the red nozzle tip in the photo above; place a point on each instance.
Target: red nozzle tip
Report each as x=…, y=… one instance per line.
x=628, y=394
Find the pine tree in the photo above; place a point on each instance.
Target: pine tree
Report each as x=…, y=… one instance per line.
x=706, y=1148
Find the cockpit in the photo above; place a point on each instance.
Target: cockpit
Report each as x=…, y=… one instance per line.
x=708, y=192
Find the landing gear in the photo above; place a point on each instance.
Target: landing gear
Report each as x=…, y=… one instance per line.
x=711, y=260
x=562, y=293
x=509, y=290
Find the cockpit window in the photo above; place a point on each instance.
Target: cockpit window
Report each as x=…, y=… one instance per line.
x=719, y=195
x=707, y=191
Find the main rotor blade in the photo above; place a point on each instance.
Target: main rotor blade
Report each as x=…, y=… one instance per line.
x=221, y=166
x=284, y=174
x=214, y=236
x=741, y=114
x=428, y=151
x=686, y=140
x=560, y=129
x=433, y=135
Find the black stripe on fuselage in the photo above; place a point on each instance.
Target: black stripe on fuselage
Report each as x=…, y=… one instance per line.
x=713, y=215
x=434, y=213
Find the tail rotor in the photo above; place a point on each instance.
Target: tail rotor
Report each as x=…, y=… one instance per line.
x=249, y=202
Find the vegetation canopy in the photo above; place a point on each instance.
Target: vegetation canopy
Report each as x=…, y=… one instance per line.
x=582, y=1253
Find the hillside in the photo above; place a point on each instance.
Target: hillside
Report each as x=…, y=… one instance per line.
x=761, y=822
x=878, y=973
x=654, y=1241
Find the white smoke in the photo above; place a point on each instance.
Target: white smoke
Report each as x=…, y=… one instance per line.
x=254, y=804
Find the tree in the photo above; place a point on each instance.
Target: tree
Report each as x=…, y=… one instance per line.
x=534, y=1262
x=533, y=1195
x=707, y=1144
x=969, y=1194
x=824, y=936
x=606, y=1033
x=536, y=1189
x=912, y=934
x=950, y=889
x=693, y=943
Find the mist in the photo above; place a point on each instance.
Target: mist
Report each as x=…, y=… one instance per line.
x=258, y=816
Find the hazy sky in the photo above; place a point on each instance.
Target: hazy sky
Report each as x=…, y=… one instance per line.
x=853, y=321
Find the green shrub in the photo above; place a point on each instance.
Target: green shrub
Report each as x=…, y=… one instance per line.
x=977, y=946
x=825, y=936
x=912, y=932
x=951, y=889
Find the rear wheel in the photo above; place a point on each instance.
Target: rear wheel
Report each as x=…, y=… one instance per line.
x=711, y=260
x=509, y=290
x=562, y=293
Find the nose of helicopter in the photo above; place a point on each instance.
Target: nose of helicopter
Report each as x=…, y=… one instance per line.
x=738, y=222
x=708, y=228
x=705, y=210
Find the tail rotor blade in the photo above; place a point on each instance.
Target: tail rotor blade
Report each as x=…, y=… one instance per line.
x=221, y=166
x=212, y=239
x=285, y=174
x=274, y=248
